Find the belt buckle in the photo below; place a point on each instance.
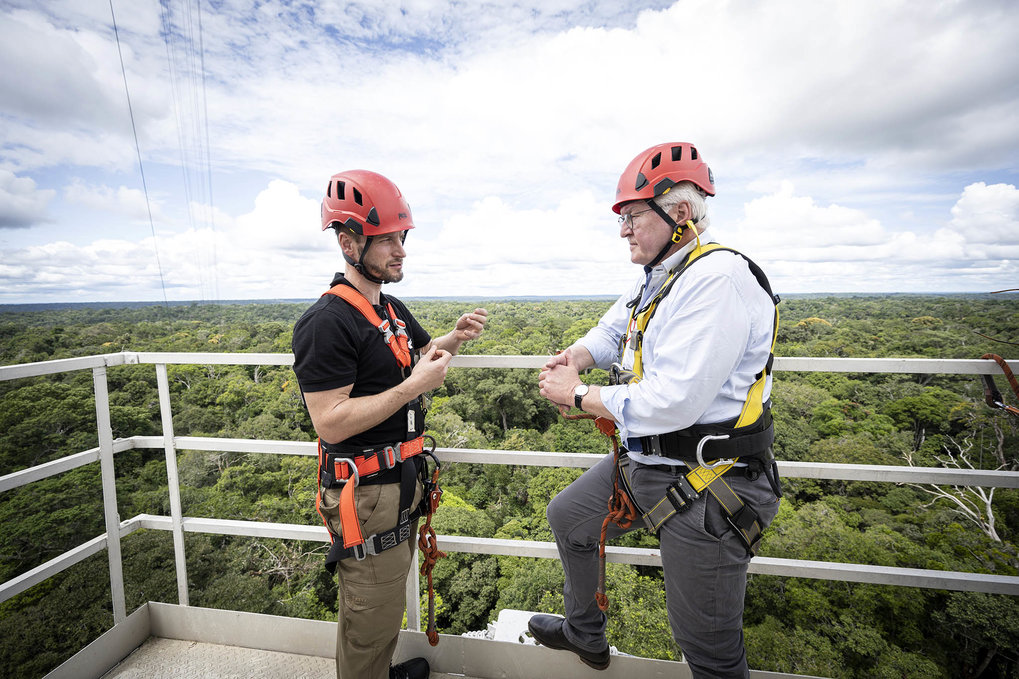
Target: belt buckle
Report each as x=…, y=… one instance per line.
x=700, y=451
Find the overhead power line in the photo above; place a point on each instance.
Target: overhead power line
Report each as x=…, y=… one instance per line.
x=141, y=167
x=185, y=54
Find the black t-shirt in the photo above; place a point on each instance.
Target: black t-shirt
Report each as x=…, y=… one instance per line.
x=335, y=345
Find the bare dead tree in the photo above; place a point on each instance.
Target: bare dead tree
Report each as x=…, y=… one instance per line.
x=972, y=502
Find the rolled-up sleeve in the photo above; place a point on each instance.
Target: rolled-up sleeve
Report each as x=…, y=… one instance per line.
x=603, y=339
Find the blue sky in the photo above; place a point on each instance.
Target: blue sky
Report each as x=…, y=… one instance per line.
x=857, y=146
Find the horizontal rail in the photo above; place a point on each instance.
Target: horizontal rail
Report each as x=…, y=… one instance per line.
x=802, y=470
x=59, y=466
x=948, y=366
x=59, y=563
x=795, y=470
x=213, y=358
x=64, y=365
x=47, y=469
x=928, y=366
x=62, y=562
x=637, y=556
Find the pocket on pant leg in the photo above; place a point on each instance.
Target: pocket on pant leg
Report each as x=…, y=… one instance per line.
x=373, y=613
x=329, y=508
x=366, y=502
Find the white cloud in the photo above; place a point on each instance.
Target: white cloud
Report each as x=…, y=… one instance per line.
x=987, y=214
x=121, y=200
x=506, y=125
x=22, y=203
x=807, y=247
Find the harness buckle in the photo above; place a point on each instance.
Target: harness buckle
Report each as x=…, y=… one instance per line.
x=700, y=451
x=365, y=549
x=389, y=456
x=353, y=471
x=681, y=494
x=326, y=479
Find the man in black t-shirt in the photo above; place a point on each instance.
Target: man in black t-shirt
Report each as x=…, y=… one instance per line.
x=363, y=363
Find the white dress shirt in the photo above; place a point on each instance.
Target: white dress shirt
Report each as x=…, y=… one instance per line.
x=702, y=349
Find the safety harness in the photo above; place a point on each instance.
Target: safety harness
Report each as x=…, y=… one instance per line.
x=747, y=438
x=347, y=467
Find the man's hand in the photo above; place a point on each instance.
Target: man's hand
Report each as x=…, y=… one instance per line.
x=430, y=371
x=470, y=326
x=556, y=383
x=575, y=355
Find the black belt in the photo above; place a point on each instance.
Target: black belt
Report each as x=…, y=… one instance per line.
x=682, y=444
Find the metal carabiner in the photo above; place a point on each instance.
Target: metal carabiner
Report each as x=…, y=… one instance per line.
x=700, y=451
x=431, y=453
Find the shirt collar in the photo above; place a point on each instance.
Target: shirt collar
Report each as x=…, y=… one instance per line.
x=672, y=261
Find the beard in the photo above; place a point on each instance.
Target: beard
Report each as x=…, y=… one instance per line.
x=383, y=274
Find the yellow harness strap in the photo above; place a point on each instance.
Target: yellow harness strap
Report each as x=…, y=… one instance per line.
x=753, y=407
x=681, y=494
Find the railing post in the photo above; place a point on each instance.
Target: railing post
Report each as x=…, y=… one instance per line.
x=414, y=593
x=173, y=484
x=105, y=431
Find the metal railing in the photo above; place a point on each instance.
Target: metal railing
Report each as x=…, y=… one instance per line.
x=178, y=524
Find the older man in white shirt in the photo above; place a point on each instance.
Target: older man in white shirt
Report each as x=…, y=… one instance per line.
x=693, y=342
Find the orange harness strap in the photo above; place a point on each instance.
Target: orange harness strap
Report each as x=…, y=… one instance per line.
x=397, y=341
x=374, y=462
x=352, y=535
x=352, y=469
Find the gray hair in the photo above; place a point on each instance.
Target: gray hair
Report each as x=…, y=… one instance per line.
x=689, y=192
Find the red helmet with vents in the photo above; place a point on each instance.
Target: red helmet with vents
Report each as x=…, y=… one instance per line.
x=659, y=168
x=366, y=202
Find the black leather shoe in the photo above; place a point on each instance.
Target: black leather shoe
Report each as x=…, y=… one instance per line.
x=547, y=630
x=415, y=668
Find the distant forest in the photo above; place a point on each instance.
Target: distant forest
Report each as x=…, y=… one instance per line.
x=814, y=627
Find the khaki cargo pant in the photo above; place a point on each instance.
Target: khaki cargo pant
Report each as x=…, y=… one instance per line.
x=372, y=592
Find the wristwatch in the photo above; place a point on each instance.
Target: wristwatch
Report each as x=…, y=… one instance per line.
x=579, y=392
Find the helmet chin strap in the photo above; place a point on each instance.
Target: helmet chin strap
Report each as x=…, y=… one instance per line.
x=359, y=265
x=677, y=233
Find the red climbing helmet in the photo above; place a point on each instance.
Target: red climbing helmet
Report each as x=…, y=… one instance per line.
x=659, y=168
x=366, y=202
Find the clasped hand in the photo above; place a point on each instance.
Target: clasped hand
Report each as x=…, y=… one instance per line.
x=557, y=381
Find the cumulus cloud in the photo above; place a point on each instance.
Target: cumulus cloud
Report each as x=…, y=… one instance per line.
x=506, y=125
x=988, y=214
x=806, y=246
x=22, y=203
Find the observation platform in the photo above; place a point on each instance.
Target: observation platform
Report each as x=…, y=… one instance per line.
x=164, y=641
x=179, y=640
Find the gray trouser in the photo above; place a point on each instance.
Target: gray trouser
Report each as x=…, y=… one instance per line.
x=704, y=562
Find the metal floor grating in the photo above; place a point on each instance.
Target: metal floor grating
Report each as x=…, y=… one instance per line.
x=161, y=658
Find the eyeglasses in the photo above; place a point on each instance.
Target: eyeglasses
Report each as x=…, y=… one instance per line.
x=628, y=219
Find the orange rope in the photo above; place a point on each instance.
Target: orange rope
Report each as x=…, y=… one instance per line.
x=430, y=549
x=1009, y=376
x=621, y=509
